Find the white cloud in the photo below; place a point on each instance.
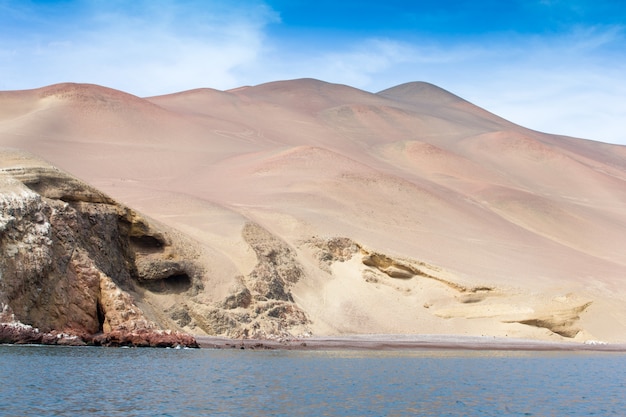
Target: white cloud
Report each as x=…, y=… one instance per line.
x=357, y=67
x=156, y=47
x=573, y=83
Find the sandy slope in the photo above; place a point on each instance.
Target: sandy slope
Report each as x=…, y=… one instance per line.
x=504, y=231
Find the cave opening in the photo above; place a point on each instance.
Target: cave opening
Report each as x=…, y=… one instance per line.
x=146, y=243
x=177, y=284
x=101, y=317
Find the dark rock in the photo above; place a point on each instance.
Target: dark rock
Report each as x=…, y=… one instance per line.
x=70, y=259
x=145, y=338
x=19, y=333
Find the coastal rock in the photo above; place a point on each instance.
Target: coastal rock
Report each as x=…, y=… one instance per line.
x=76, y=266
x=145, y=338
x=64, y=339
x=19, y=333
x=70, y=259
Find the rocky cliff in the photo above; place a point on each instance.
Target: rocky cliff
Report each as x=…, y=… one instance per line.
x=77, y=267
x=303, y=207
x=72, y=261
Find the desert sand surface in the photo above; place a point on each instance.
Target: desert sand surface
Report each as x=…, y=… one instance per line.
x=409, y=211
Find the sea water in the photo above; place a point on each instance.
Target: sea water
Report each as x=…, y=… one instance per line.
x=64, y=381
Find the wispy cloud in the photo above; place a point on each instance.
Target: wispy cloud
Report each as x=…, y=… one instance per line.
x=570, y=79
x=354, y=64
x=154, y=47
x=573, y=83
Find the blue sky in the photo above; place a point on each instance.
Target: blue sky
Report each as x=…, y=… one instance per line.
x=552, y=65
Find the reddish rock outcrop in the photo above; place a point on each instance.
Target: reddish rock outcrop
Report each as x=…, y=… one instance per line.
x=144, y=338
x=70, y=260
x=19, y=333
x=75, y=267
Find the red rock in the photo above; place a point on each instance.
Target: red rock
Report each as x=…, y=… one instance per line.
x=63, y=339
x=19, y=333
x=144, y=338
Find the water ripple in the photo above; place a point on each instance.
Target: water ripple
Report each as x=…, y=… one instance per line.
x=57, y=381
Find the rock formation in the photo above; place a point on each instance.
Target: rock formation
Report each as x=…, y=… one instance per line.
x=258, y=304
x=302, y=207
x=71, y=258
x=76, y=265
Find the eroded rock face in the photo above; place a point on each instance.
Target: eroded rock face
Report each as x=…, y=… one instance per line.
x=78, y=268
x=549, y=316
x=337, y=249
x=19, y=333
x=70, y=258
x=260, y=304
x=73, y=262
x=273, y=309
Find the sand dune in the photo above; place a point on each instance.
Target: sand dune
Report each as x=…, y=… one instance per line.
x=485, y=227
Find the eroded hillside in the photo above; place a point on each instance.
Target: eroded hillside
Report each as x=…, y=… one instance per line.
x=302, y=207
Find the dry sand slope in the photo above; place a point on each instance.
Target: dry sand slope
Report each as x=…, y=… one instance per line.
x=323, y=209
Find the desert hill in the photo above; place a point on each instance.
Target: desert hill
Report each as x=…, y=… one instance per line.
x=322, y=209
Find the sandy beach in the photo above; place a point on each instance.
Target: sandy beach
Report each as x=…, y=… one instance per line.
x=406, y=342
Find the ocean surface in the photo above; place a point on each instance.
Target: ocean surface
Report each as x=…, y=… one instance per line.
x=70, y=381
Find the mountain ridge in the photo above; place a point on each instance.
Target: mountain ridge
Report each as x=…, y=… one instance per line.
x=413, y=174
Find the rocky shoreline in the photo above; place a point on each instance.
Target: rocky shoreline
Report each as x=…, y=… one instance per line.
x=18, y=333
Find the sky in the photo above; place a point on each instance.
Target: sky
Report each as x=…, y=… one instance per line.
x=557, y=66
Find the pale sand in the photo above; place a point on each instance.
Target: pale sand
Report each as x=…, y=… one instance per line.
x=405, y=342
x=413, y=173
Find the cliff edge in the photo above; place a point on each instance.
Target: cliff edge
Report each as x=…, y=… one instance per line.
x=72, y=259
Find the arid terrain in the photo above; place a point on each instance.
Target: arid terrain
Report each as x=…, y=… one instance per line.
x=302, y=208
